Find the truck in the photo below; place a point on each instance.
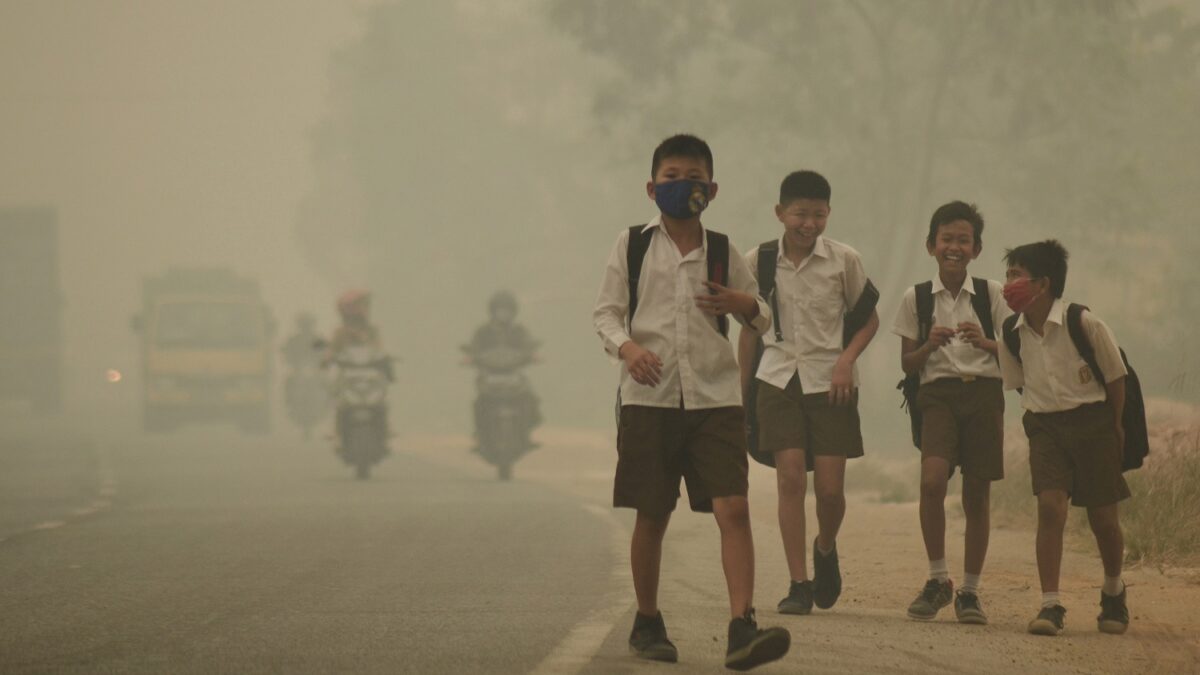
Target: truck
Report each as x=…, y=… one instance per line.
x=206, y=351
x=31, y=304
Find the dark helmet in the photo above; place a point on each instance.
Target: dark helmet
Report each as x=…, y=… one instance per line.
x=502, y=300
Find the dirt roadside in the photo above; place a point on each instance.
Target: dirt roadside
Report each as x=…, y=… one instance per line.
x=884, y=567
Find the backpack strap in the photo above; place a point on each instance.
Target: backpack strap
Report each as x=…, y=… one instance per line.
x=718, y=269
x=1012, y=339
x=982, y=302
x=635, y=253
x=924, y=291
x=768, y=259
x=1081, y=342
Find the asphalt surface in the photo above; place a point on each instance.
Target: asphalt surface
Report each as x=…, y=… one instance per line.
x=215, y=552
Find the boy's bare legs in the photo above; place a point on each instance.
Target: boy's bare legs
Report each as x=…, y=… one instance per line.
x=976, y=498
x=645, y=558
x=737, y=551
x=791, y=476
x=1106, y=525
x=1052, y=518
x=935, y=472
x=829, y=484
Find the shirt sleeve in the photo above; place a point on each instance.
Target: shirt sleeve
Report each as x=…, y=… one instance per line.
x=1108, y=354
x=752, y=263
x=1000, y=310
x=742, y=279
x=1011, y=370
x=905, y=324
x=856, y=278
x=612, y=303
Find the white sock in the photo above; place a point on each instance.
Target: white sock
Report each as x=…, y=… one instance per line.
x=938, y=570
x=970, y=584
x=1113, y=586
x=1050, y=599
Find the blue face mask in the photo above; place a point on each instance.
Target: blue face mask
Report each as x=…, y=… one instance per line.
x=682, y=198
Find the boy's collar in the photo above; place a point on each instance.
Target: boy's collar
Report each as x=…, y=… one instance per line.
x=939, y=286
x=1058, y=313
x=819, y=248
x=657, y=222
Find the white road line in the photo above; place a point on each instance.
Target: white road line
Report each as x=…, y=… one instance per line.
x=106, y=491
x=580, y=645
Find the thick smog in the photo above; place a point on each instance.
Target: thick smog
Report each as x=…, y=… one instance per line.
x=594, y=336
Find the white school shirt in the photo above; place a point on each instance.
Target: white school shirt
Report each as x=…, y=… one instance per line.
x=957, y=358
x=813, y=299
x=1054, y=376
x=699, y=367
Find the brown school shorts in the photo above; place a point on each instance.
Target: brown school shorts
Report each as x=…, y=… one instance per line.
x=1076, y=451
x=658, y=446
x=963, y=423
x=789, y=418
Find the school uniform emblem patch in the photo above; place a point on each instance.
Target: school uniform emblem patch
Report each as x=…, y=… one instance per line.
x=698, y=201
x=1085, y=374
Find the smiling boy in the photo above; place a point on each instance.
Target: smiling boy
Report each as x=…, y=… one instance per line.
x=960, y=402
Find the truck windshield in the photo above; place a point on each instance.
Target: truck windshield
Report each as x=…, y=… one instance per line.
x=208, y=325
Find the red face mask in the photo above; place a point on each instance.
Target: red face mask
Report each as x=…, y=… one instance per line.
x=1019, y=294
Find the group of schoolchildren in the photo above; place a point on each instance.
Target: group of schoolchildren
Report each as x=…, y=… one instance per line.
x=669, y=289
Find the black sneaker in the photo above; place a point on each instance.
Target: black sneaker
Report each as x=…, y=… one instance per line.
x=935, y=595
x=1049, y=621
x=750, y=646
x=1114, y=615
x=799, y=599
x=827, y=577
x=648, y=640
x=967, y=609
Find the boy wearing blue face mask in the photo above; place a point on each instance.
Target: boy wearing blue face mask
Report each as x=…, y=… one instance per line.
x=681, y=415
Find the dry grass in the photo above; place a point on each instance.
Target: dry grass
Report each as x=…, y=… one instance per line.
x=1162, y=519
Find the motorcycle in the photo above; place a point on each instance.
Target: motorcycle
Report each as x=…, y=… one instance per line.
x=505, y=408
x=360, y=391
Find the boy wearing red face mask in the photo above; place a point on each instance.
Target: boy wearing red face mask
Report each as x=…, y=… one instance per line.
x=1073, y=424
x=681, y=416
x=960, y=401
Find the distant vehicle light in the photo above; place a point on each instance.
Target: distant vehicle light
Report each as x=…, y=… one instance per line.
x=112, y=375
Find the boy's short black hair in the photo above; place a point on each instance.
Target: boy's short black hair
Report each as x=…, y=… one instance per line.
x=682, y=145
x=804, y=185
x=1044, y=259
x=956, y=210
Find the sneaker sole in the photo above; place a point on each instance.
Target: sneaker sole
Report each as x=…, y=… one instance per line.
x=1112, y=627
x=826, y=603
x=922, y=617
x=973, y=618
x=1043, y=627
x=661, y=654
x=793, y=608
x=769, y=647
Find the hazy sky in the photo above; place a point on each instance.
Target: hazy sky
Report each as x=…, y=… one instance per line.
x=164, y=131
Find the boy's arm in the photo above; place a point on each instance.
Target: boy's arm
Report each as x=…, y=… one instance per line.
x=747, y=346
x=612, y=302
x=1011, y=370
x=741, y=278
x=1116, y=400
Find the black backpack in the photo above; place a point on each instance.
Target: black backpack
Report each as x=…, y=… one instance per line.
x=981, y=302
x=1133, y=417
x=855, y=319
x=718, y=271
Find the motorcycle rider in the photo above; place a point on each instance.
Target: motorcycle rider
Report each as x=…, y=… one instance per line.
x=356, y=330
x=302, y=354
x=300, y=350
x=502, y=333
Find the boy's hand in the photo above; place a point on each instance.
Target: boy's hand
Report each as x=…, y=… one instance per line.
x=973, y=333
x=939, y=336
x=841, y=388
x=644, y=365
x=721, y=300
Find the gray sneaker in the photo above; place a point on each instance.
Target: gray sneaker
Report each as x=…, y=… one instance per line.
x=1049, y=621
x=935, y=595
x=648, y=639
x=799, y=599
x=967, y=609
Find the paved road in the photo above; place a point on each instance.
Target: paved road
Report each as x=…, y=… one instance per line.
x=226, y=554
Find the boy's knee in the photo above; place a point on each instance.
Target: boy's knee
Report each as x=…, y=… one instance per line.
x=1052, y=507
x=933, y=489
x=830, y=498
x=792, y=482
x=731, y=510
